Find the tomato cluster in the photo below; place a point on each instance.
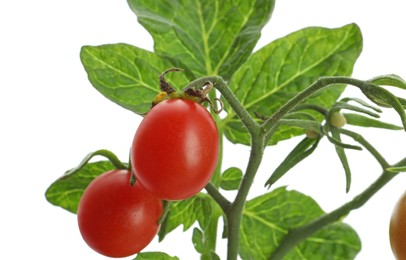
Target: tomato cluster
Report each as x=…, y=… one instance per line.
x=173, y=156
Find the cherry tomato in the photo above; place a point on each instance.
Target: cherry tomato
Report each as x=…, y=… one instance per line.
x=175, y=149
x=397, y=229
x=115, y=218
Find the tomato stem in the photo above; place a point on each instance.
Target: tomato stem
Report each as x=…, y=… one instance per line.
x=106, y=153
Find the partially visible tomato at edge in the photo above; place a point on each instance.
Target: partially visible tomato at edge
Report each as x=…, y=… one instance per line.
x=175, y=149
x=116, y=219
x=397, y=229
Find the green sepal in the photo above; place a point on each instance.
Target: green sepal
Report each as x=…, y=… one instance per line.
x=389, y=80
x=364, y=121
x=384, y=98
x=343, y=158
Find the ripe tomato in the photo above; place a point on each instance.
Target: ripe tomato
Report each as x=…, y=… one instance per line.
x=175, y=149
x=115, y=218
x=397, y=229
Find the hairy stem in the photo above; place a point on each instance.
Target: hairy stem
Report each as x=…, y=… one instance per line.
x=234, y=215
x=295, y=236
x=222, y=201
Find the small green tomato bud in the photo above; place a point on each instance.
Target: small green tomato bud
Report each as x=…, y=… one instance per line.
x=337, y=119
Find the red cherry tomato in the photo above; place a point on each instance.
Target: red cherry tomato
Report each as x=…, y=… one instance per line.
x=175, y=149
x=115, y=218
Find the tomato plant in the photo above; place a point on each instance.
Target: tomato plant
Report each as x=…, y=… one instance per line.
x=292, y=88
x=175, y=149
x=115, y=218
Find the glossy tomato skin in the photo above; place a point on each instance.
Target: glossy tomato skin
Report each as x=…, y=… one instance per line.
x=175, y=149
x=117, y=219
x=397, y=229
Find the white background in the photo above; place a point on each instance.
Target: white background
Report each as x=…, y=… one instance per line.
x=51, y=117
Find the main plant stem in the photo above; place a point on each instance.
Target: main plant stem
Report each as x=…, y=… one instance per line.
x=234, y=214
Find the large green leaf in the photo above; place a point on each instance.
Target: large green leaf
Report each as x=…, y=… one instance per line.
x=286, y=66
x=66, y=193
x=210, y=37
x=268, y=218
x=127, y=75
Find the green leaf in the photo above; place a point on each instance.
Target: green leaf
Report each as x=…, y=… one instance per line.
x=127, y=75
x=268, y=218
x=298, y=154
x=286, y=66
x=328, y=244
x=201, y=208
x=210, y=37
x=231, y=178
x=389, y=80
x=66, y=193
x=364, y=121
x=155, y=256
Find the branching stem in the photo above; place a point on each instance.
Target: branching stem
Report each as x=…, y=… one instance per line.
x=260, y=135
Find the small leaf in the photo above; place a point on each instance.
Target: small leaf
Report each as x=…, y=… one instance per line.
x=127, y=75
x=268, y=218
x=66, y=193
x=343, y=158
x=201, y=208
x=364, y=121
x=231, y=179
x=389, y=80
x=155, y=256
x=277, y=72
x=210, y=37
x=197, y=239
x=298, y=154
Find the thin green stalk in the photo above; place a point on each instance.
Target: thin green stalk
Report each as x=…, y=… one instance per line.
x=297, y=235
x=270, y=125
x=103, y=152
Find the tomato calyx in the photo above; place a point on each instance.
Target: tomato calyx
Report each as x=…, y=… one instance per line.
x=198, y=95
